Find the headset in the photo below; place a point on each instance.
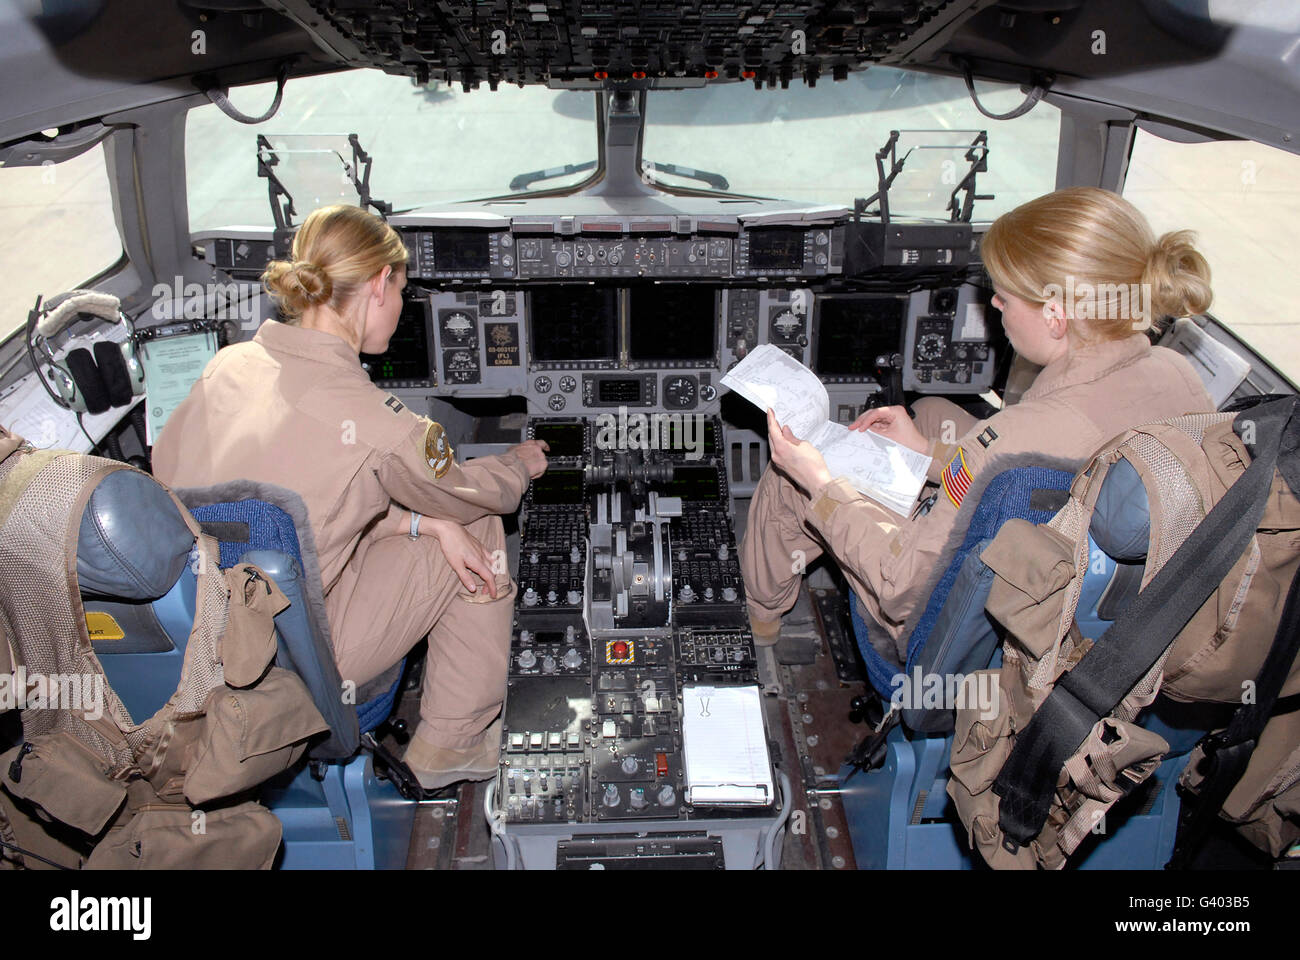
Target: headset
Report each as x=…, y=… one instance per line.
x=85, y=383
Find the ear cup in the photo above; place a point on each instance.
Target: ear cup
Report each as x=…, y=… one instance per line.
x=86, y=375
x=113, y=371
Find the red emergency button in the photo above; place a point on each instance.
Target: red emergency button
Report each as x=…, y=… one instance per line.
x=619, y=651
x=661, y=765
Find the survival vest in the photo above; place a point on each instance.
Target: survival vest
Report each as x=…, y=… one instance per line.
x=164, y=792
x=1030, y=781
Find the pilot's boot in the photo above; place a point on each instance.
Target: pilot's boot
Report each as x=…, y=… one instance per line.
x=436, y=766
x=774, y=553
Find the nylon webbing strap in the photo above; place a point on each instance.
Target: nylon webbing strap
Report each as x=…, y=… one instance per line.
x=1228, y=753
x=1132, y=645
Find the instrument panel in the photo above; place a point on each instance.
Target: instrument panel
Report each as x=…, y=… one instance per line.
x=578, y=348
x=583, y=314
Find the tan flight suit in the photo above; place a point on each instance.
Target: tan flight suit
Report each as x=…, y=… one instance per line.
x=293, y=407
x=1073, y=407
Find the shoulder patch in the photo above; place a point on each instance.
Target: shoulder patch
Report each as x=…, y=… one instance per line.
x=956, y=478
x=393, y=404
x=438, y=453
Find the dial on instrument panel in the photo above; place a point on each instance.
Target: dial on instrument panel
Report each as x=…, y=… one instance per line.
x=458, y=326
x=680, y=392
x=930, y=346
x=786, y=325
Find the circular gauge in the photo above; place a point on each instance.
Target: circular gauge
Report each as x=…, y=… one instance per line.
x=542, y=384
x=563, y=258
x=568, y=384
x=930, y=346
x=786, y=324
x=680, y=392
x=458, y=326
x=556, y=401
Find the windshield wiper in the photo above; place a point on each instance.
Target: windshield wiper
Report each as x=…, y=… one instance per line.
x=715, y=180
x=524, y=180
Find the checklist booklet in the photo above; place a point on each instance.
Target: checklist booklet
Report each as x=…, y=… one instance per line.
x=876, y=466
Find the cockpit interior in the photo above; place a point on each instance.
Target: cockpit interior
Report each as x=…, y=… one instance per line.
x=607, y=208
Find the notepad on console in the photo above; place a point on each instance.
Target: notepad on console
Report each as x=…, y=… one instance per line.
x=727, y=760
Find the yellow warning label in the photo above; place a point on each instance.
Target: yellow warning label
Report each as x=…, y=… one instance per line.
x=102, y=626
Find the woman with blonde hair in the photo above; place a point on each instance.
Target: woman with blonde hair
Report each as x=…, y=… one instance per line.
x=403, y=533
x=1079, y=278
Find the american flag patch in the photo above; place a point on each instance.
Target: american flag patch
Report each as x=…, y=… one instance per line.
x=956, y=478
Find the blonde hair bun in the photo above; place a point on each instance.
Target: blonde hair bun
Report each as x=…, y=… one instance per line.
x=1178, y=275
x=297, y=285
x=1099, y=250
x=336, y=250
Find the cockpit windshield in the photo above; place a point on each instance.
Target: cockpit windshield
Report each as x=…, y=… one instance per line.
x=435, y=143
x=819, y=145
x=430, y=143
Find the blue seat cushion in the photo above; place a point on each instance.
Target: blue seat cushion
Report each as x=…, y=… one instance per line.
x=262, y=533
x=375, y=711
x=950, y=635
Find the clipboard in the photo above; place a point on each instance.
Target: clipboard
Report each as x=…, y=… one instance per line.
x=725, y=746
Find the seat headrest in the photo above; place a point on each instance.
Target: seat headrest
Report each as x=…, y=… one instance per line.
x=133, y=542
x=1121, y=520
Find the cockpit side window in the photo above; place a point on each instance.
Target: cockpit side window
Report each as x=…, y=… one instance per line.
x=56, y=231
x=1243, y=200
x=430, y=144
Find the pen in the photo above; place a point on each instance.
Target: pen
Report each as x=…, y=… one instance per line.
x=924, y=506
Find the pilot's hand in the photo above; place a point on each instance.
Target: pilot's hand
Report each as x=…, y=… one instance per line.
x=894, y=423
x=798, y=459
x=464, y=553
x=533, y=455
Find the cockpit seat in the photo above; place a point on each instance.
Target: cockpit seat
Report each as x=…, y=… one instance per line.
x=899, y=813
x=329, y=803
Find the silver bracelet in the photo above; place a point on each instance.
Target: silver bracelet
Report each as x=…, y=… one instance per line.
x=415, y=526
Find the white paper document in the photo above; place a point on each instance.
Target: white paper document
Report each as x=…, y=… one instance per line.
x=876, y=466
x=27, y=410
x=724, y=746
